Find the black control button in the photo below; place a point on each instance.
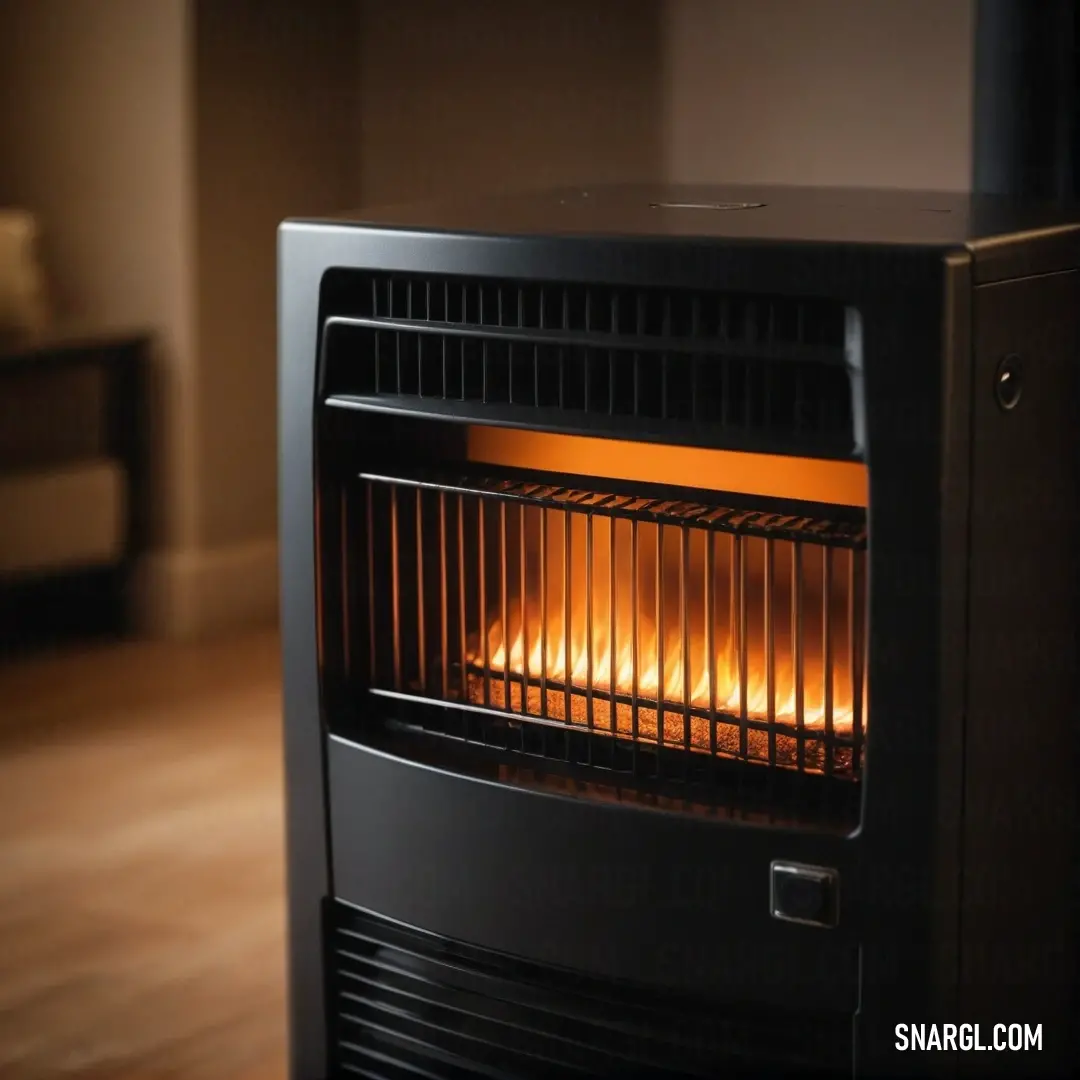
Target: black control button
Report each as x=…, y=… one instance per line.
x=805, y=894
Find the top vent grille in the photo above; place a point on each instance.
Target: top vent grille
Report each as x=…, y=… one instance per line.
x=700, y=367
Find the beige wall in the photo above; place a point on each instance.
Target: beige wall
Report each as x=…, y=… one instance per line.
x=307, y=109
x=856, y=92
x=482, y=94
x=163, y=140
x=94, y=129
x=275, y=108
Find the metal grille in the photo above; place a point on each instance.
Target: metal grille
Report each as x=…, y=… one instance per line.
x=409, y=1003
x=677, y=635
x=765, y=367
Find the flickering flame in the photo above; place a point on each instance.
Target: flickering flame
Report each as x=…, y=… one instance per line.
x=623, y=586
x=582, y=606
x=728, y=693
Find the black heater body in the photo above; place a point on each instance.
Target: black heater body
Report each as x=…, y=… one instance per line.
x=679, y=613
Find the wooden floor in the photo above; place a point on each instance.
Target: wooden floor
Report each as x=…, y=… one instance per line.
x=141, y=905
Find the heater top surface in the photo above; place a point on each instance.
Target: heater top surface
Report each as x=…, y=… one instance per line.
x=762, y=214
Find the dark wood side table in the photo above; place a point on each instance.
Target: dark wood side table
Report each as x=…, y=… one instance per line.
x=47, y=607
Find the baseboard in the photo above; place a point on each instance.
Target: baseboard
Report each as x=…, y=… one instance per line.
x=189, y=595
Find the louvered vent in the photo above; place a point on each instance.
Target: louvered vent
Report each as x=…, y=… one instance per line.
x=411, y=1004
x=698, y=367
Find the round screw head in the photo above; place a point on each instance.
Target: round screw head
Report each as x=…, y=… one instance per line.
x=1008, y=382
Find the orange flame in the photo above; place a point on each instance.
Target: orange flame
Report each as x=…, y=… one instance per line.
x=728, y=694
x=684, y=592
x=728, y=609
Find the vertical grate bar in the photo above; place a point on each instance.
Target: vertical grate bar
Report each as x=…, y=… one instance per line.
x=588, y=353
x=635, y=651
x=397, y=361
x=419, y=361
x=372, y=654
x=710, y=636
x=445, y=379
x=827, y=653
x=421, y=637
x=427, y=300
x=733, y=614
x=444, y=602
x=660, y=636
x=481, y=559
x=611, y=364
x=684, y=622
x=612, y=623
x=562, y=349
x=568, y=668
x=725, y=365
x=346, y=598
x=395, y=586
x=543, y=609
x=463, y=628
x=798, y=407
x=856, y=655
x=770, y=648
x=693, y=359
x=767, y=382
x=797, y=653
x=664, y=375
x=738, y=563
x=543, y=710
x=504, y=598
x=522, y=599
x=640, y=331
x=589, y=621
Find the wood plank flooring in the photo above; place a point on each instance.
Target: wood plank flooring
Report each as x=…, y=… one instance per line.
x=141, y=871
